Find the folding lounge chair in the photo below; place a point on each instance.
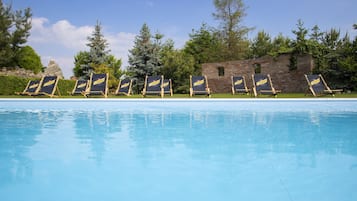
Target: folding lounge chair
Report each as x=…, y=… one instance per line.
x=318, y=86
x=124, y=87
x=48, y=86
x=79, y=87
x=239, y=85
x=167, y=87
x=199, y=86
x=262, y=84
x=153, y=86
x=30, y=88
x=98, y=85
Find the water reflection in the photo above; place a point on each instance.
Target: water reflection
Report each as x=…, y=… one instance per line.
x=97, y=129
x=18, y=133
x=143, y=138
x=229, y=134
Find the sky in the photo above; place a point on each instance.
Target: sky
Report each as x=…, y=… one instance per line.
x=60, y=28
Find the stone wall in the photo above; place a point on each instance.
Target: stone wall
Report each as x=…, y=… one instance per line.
x=52, y=69
x=289, y=81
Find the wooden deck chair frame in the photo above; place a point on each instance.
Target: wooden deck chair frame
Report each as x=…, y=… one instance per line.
x=244, y=91
x=272, y=90
x=89, y=92
x=117, y=91
x=170, y=89
x=42, y=85
x=327, y=89
x=207, y=89
x=74, y=92
x=145, y=92
x=30, y=84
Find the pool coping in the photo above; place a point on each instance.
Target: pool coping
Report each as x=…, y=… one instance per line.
x=176, y=99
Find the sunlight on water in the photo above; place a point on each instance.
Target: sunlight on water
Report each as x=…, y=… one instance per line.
x=178, y=151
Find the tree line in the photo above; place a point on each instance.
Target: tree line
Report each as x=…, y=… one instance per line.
x=334, y=53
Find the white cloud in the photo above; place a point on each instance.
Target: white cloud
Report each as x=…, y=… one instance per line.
x=120, y=44
x=61, y=41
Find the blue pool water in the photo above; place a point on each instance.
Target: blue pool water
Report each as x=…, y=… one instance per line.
x=176, y=150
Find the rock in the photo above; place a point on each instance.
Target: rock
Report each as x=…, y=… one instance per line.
x=53, y=69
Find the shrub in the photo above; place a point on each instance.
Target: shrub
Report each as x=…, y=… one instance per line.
x=11, y=84
x=65, y=86
x=28, y=59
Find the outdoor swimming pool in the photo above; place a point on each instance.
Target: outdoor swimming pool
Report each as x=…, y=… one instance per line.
x=175, y=150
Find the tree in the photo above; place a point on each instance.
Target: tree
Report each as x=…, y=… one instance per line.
x=98, y=46
x=300, y=45
x=28, y=59
x=205, y=46
x=280, y=45
x=144, y=58
x=178, y=66
x=81, y=64
x=14, y=31
x=261, y=45
x=233, y=33
x=97, y=59
x=316, y=47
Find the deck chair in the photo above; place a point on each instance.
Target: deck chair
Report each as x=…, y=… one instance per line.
x=318, y=85
x=167, y=87
x=199, y=86
x=79, y=87
x=239, y=85
x=48, y=86
x=30, y=88
x=262, y=84
x=124, y=87
x=153, y=86
x=98, y=85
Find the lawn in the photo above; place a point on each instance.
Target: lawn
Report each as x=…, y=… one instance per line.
x=219, y=95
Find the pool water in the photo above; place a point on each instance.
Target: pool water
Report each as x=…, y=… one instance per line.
x=175, y=150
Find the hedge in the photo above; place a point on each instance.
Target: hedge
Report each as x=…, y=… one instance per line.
x=11, y=84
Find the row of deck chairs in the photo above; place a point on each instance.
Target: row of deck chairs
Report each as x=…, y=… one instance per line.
x=47, y=86
x=262, y=84
x=98, y=85
x=157, y=85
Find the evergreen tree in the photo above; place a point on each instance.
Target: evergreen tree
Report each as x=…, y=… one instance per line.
x=280, y=45
x=98, y=46
x=82, y=64
x=205, y=46
x=144, y=58
x=14, y=31
x=261, y=45
x=177, y=65
x=301, y=42
x=97, y=59
x=317, y=50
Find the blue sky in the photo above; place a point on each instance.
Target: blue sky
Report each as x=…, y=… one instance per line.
x=60, y=28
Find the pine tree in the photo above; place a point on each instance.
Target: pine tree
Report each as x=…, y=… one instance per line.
x=144, y=58
x=86, y=62
x=261, y=45
x=14, y=31
x=98, y=46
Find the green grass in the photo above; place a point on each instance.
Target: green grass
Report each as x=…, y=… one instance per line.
x=219, y=95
